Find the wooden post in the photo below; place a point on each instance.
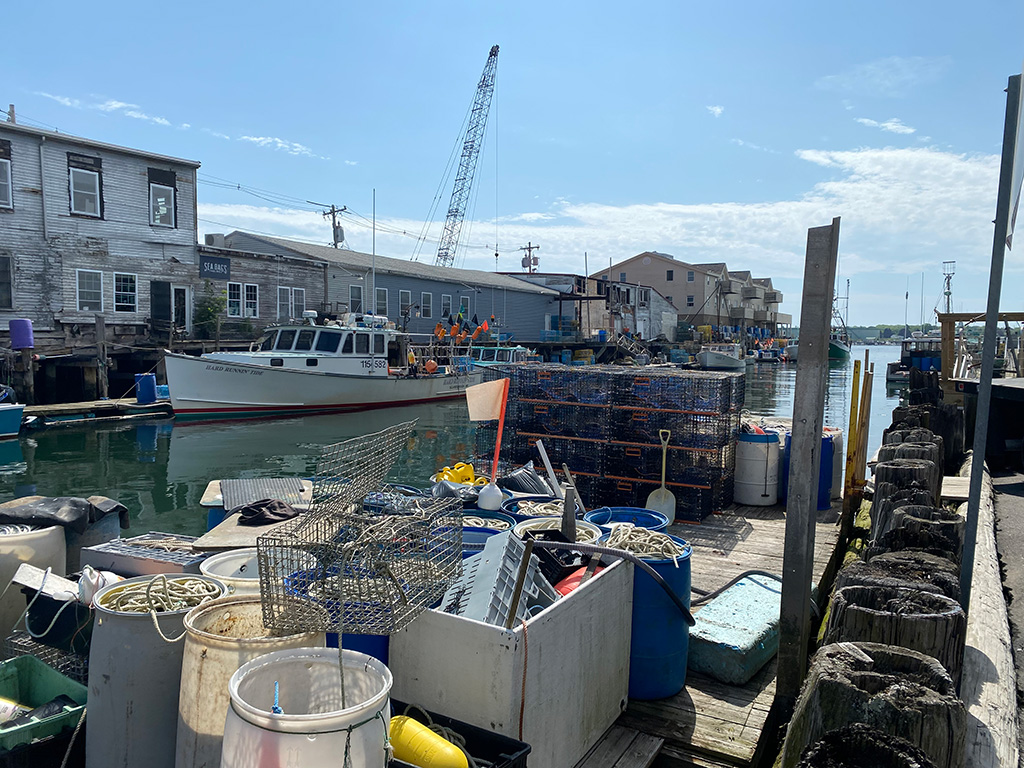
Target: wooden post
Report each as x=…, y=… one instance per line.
x=101, y=356
x=808, y=408
x=216, y=338
x=29, y=377
x=852, y=440
x=948, y=352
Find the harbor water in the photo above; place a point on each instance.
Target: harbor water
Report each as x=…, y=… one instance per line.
x=160, y=469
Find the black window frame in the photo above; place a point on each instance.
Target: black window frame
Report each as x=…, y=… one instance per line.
x=91, y=164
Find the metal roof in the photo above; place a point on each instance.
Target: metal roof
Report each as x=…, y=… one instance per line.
x=70, y=139
x=387, y=265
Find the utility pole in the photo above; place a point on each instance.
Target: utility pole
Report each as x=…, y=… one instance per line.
x=337, y=231
x=529, y=262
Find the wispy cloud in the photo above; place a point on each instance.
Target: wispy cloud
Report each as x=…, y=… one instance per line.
x=892, y=125
x=216, y=134
x=351, y=162
x=893, y=76
x=899, y=208
x=185, y=126
x=273, y=142
x=716, y=110
x=67, y=102
x=113, y=105
x=751, y=145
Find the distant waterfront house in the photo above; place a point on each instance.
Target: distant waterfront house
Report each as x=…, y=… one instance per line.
x=415, y=295
x=86, y=229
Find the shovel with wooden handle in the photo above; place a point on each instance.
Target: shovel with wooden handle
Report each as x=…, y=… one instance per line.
x=662, y=499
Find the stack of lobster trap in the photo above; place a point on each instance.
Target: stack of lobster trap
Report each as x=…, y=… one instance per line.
x=606, y=423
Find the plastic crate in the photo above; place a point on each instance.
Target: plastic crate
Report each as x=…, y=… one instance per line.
x=32, y=683
x=484, y=590
x=141, y=556
x=486, y=747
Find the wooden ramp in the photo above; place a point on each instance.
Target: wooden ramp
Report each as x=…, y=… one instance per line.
x=711, y=724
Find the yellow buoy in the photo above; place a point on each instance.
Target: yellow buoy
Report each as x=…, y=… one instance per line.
x=416, y=744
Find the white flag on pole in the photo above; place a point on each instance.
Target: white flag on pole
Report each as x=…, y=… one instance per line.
x=485, y=400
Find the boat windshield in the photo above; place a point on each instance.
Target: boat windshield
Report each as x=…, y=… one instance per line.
x=267, y=341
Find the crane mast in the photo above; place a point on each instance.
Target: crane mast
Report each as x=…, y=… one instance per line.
x=467, y=163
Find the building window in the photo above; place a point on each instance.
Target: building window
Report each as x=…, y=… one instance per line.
x=234, y=299
x=689, y=301
x=382, y=302
x=298, y=301
x=404, y=302
x=602, y=287
x=6, y=282
x=690, y=277
x=126, y=294
x=161, y=205
x=668, y=299
x=669, y=274
x=446, y=304
x=85, y=185
x=464, y=306
x=355, y=298
x=6, y=193
x=622, y=277
x=90, y=291
x=284, y=300
x=426, y=305
x=252, y=300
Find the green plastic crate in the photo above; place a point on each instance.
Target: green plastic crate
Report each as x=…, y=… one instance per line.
x=32, y=683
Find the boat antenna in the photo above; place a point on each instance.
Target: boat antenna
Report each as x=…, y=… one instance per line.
x=948, y=270
x=373, y=252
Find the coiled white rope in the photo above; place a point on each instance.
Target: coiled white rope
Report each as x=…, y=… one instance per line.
x=541, y=508
x=646, y=543
x=176, y=594
x=493, y=523
x=583, y=533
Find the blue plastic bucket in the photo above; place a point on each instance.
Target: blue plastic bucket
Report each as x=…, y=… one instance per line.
x=21, y=334
x=487, y=514
x=602, y=335
x=641, y=518
x=473, y=539
x=145, y=388
x=825, y=464
x=660, y=637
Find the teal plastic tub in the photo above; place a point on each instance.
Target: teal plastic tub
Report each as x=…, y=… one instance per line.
x=31, y=683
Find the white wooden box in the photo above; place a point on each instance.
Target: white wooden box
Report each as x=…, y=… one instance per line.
x=576, y=656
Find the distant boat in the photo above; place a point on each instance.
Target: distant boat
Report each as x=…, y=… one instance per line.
x=839, y=344
x=919, y=351
x=499, y=355
x=790, y=350
x=10, y=419
x=721, y=357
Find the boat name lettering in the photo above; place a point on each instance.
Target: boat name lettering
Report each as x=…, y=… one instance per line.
x=376, y=363
x=229, y=369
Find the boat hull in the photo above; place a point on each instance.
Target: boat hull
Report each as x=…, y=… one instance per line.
x=716, y=361
x=202, y=388
x=10, y=419
x=838, y=350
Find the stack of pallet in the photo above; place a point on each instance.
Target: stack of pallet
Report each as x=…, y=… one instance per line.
x=604, y=422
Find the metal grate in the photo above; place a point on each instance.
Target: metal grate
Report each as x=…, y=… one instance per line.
x=364, y=559
x=72, y=665
x=236, y=492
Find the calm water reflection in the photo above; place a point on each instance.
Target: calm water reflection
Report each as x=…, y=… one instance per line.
x=160, y=470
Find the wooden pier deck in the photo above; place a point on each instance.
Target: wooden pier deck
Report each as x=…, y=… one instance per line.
x=711, y=724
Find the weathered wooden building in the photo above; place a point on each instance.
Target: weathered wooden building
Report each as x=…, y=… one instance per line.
x=416, y=296
x=90, y=230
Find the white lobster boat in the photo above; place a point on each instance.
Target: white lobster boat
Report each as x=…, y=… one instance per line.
x=359, y=364
x=722, y=357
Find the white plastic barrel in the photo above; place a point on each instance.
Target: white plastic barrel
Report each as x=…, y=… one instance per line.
x=238, y=569
x=134, y=676
x=314, y=729
x=756, y=482
x=223, y=635
x=41, y=547
x=838, y=460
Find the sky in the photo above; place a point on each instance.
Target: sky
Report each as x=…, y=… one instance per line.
x=711, y=131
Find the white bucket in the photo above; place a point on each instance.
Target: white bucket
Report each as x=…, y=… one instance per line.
x=237, y=568
x=756, y=482
x=586, y=533
x=223, y=635
x=314, y=730
x=41, y=547
x=838, y=460
x=134, y=676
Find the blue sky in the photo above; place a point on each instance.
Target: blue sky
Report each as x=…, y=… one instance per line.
x=713, y=132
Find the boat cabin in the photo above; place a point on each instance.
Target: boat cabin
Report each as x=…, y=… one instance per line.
x=498, y=355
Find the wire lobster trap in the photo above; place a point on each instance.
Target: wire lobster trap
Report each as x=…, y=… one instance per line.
x=365, y=559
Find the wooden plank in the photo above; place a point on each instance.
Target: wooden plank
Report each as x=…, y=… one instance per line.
x=607, y=751
x=641, y=752
x=956, y=489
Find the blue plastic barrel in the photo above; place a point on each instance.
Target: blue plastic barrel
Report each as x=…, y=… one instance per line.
x=660, y=637
x=145, y=388
x=21, y=334
x=641, y=518
x=825, y=464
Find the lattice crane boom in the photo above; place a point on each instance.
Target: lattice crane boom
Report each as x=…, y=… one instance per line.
x=467, y=163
